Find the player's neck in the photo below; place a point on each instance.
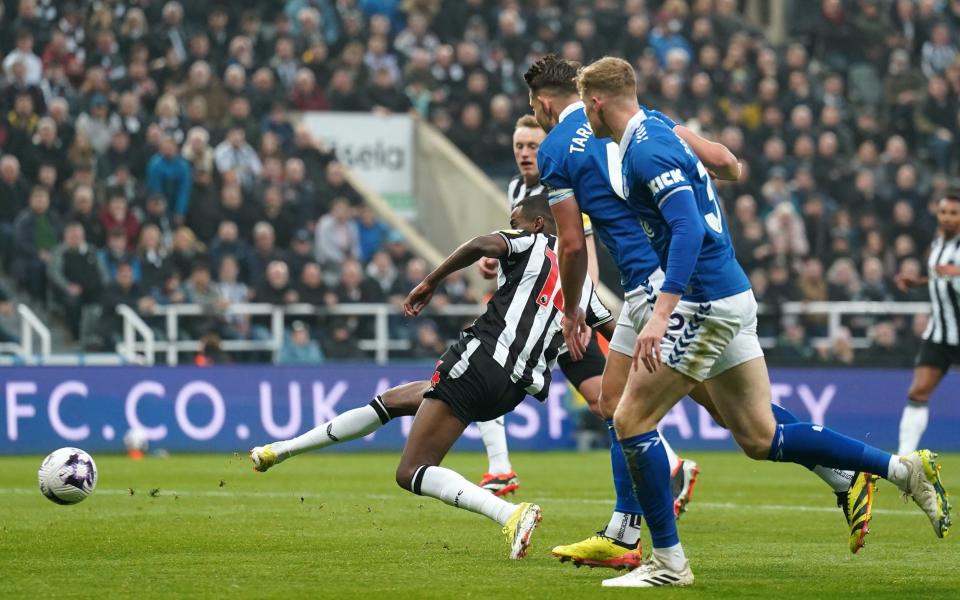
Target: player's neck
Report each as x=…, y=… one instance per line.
x=563, y=104
x=618, y=120
x=531, y=181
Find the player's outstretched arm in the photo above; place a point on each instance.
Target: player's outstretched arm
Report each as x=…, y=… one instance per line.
x=718, y=159
x=572, y=258
x=491, y=245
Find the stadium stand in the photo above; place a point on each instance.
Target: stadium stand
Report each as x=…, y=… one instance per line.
x=151, y=142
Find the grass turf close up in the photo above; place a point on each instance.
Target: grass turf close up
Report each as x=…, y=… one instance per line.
x=336, y=526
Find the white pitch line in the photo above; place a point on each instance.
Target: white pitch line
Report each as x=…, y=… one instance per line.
x=264, y=494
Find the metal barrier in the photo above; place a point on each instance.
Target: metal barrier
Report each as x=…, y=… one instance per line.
x=133, y=325
x=31, y=324
x=382, y=344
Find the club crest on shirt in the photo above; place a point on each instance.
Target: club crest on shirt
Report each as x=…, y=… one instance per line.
x=646, y=228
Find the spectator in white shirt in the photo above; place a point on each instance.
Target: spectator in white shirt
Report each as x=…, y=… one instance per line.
x=337, y=237
x=235, y=154
x=24, y=53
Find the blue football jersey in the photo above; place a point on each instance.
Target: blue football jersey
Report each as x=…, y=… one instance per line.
x=656, y=165
x=572, y=161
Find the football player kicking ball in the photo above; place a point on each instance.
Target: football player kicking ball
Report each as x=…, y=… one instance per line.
x=506, y=354
x=583, y=173
x=706, y=298
x=617, y=544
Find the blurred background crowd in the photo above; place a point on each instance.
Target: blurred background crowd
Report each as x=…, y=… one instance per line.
x=149, y=157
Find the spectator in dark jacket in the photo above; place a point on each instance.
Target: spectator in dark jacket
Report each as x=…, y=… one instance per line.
x=123, y=291
x=13, y=199
x=76, y=275
x=81, y=211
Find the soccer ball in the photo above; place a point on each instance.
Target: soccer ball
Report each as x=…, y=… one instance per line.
x=67, y=475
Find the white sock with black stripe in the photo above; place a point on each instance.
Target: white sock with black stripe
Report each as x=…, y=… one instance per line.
x=451, y=488
x=346, y=426
x=494, y=436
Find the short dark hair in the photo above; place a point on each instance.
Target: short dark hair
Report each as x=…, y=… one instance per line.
x=552, y=74
x=536, y=205
x=952, y=193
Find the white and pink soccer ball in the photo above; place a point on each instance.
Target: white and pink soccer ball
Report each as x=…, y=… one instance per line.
x=67, y=475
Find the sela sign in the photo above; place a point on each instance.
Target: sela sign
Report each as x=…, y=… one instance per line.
x=227, y=409
x=378, y=149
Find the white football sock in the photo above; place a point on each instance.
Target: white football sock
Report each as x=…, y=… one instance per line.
x=671, y=455
x=624, y=528
x=835, y=478
x=451, y=488
x=912, y=425
x=897, y=473
x=672, y=557
x=346, y=426
x=494, y=436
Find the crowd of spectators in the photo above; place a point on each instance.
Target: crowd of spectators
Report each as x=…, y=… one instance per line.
x=148, y=155
x=846, y=129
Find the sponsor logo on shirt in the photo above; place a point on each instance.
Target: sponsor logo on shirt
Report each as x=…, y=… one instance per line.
x=665, y=180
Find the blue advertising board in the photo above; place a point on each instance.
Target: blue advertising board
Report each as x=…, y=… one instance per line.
x=227, y=409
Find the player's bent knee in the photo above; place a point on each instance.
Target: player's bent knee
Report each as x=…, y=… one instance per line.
x=608, y=404
x=405, y=475
x=755, y=447
x=628, y=425
x=404, y=399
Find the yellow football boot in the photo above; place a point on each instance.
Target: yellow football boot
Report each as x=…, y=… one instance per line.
x=519, y=529
x=857, y=505
x=263, y=457
x=600, y=551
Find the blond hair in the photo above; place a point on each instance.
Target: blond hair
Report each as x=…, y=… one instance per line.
x=609, y=75
x=527, y=121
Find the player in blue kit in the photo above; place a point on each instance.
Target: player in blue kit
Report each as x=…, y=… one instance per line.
x=584, y=174
x=706, y=303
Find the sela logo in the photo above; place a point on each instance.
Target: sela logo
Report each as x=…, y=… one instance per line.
x=435, y=380
x=665, y=180
x=456, y=501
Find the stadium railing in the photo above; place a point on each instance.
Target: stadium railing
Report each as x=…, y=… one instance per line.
x=32, y=326
x=144, y=350
x=174, y=342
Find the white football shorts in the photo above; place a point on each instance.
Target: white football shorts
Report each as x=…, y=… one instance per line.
x=703, y=339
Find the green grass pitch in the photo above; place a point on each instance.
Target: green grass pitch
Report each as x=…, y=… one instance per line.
x=336, y=526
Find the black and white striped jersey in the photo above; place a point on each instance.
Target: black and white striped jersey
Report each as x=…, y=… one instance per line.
x=944, y=325
x=518, y=189
x=521, y=328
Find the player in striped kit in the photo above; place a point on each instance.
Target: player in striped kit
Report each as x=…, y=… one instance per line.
x=583, y=374
x=940, y=348
x=507, y=353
